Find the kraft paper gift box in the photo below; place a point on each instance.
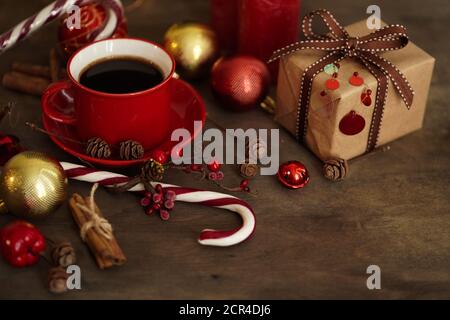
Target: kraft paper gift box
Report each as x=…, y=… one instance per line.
x=323, y=135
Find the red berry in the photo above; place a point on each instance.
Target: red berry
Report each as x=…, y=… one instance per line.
x=148, y=194
x=157, y=198
x=244, y=184
x=159, y=156
x=158, y=188
x=212, y=176
x=169, y=204
x=164, y=214
x=145, y=202
x=149, y=211
x=170, y=195
x=156, y=206
x=214, y=166
x=220, y=176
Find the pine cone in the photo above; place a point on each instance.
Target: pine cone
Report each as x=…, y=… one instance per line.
x=63, y=255
x=153, y=171
x=57, y=280
x=335, y=169
x=131, y=150
x=98, y=148
x=249, y=170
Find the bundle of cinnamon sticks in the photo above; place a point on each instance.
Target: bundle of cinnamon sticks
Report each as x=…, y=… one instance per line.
x=33, y=79
x=106, y=251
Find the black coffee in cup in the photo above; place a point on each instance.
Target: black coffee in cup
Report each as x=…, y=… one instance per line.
x=121, y=75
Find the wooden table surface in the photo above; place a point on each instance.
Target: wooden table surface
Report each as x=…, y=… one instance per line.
x=313, y=243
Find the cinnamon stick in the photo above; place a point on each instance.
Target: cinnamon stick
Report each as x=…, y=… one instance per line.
x=54, y=65
x=107, y=252
x=31, y=69
x=24, y=83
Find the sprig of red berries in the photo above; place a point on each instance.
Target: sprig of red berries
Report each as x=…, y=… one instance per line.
x=160, y=200
x=213, y=173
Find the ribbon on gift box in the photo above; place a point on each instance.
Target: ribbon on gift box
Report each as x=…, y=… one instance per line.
x=340, y=45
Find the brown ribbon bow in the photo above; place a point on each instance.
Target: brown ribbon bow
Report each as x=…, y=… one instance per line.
x=340, y=45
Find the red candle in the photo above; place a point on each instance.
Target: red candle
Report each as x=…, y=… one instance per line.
x=265, y=26
x=224, y=20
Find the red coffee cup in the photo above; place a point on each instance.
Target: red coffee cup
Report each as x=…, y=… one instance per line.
x=141, y=116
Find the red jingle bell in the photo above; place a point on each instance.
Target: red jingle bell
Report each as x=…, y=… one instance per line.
x=293, y=175
x=240, y=83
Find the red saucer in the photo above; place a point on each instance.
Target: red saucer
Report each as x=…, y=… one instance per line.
x=187, y=107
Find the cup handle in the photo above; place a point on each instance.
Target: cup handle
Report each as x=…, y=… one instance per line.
x=58, y=102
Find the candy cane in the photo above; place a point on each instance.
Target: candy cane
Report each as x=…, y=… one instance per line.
x=54, y=11
x=208, y=198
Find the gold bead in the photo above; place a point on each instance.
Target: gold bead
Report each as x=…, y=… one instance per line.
x=32, y=185
x=194, y=47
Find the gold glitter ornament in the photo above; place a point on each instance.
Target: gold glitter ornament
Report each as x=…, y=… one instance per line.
x=32, y=185
x=194, y=47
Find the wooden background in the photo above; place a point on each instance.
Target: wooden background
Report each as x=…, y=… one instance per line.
x=311, y=243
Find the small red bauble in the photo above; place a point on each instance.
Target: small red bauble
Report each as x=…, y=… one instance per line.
x=93, y=17
x=356, y=80
x=366, y=98
x=214, y=166
x=352, y=124
x=293, y=174
x=21, y=244
x=332, y=84
x=241, y=82
x=159, y=156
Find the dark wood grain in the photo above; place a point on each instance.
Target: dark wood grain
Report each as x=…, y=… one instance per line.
x=313, y=243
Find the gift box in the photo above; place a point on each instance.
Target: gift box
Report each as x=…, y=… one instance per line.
x=351, y=90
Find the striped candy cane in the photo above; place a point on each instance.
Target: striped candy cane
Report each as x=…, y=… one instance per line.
x=54, y=11
x=208, y=198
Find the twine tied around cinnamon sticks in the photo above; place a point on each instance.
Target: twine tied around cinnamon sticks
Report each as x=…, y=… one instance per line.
x=100, y=224
x=96, y=231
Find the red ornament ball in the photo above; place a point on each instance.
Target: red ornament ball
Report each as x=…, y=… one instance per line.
x=293, y=175
x=241, y=82
x=93, y=18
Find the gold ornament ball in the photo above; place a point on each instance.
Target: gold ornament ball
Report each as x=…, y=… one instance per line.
x=194, y=47
x=32, y=185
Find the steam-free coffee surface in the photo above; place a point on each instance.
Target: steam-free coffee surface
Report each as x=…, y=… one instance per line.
x=121, y=75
